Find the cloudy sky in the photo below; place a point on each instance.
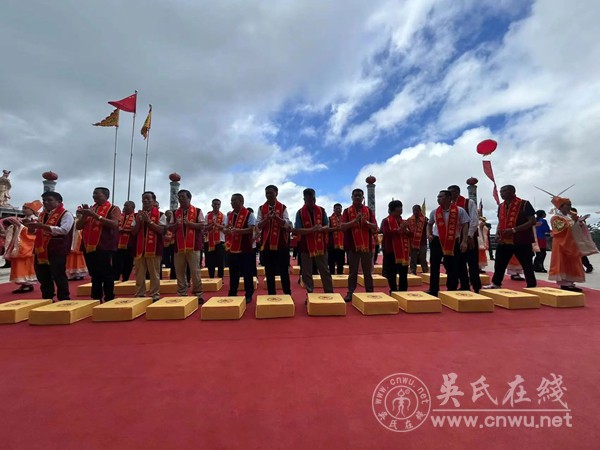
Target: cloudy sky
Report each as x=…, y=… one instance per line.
x=303, y=94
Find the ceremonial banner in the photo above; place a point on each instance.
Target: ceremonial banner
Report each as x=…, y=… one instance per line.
x=147, y=124
x=487, y=169
x=128, y=104
x=110, y=121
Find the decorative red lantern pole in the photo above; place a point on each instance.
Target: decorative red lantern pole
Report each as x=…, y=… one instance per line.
x=174, y=189
x=49, y=181
x=371, y=192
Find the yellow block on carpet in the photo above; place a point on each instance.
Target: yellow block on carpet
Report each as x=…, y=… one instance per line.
x=466, y=301
x=264, y=282
x=18, y=310
x=337, y=280
x=243, y=286
x=378, y=268
x=295, y=270
x=121, y=309
x=326, y=305
x=166, y=273
x=128, y=287
x=172, y=308
x=204, y=272
x=373, y=303
x=64, y=312
x=485, y=279
x=378, y=280
x=168, y=286
x=509, y=299
x=85, y=289
x=426, y=277
x=413, y=280
x=557, y=298
x=418, y=302
x=212, y=284
x=273, y=306
x=224, y=308
x=260, y=271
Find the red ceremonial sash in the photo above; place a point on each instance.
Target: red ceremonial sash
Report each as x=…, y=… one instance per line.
x=508, y=218
x=125, y=225
x=214, y=236
x=272, y=228
x=233, y=242
x=447, y=232
x=400, y=242
x=360, y=232
x=416, y=225
x=43, y=237
x=314, y=241
x=186, y=236
x=462, y=202
x=92, y=231
x=147, y=240
x=338, y=236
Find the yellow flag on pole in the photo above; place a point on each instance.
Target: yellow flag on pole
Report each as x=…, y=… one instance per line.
x=147, y=124
x=110, y=121
x=423, y=208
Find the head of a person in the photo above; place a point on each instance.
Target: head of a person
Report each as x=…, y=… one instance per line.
x=156, y=204
x=216, y=205
x=148, y=200
x=416, y=209
x=566, y=206
x=508, y=192
x=358, y=197
x=28, y=211
x=251, y=210
x=395, y=208
x=310, y=197
x=128, y=207
x=337, y=208
x=271, y=192
x=169, y=215
x=237, y=201
x=540, y=214
x=51, y=200
x=454, y=191
x=444, y=198
x=185, y=197
x=31, y=209
x=101, y=195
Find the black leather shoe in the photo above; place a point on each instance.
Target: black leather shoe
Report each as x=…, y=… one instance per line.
x=571, y=288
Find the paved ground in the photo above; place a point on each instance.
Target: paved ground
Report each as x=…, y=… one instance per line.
x=592, y=279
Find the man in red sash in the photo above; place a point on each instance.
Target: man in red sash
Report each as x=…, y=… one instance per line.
x=359, y=225
x=312, y=226
x=123, y=260
x=214, y=246
x=514, y=236
x=469, y=259
x=188, y=223
x=417, y=223
x=100, y=227
x=274, y=224
x=447, y=232
x=149, y=227
x=335, y=249
x=53, y=236
x=239, y=230
x=396, y=247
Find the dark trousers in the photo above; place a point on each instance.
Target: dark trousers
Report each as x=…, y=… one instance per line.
x=392, y=270
x=436, y=257
x=215, y=259
x=122, y=264
x=523, y=253
x=586, y=263
x=168, y=260
x=418, y=256
x=99, y=264
x=241, y=264
x=538, y=261
x=277, y=262
x=53, y=273
x=335, y=261
x=468, y=269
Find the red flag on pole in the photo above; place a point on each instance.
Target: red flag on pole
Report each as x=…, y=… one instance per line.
x=487, y=169
x=127, y=104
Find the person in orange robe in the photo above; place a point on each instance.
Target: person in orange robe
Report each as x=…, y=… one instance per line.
x=565, y=258
x=76, y=267
x=19, y=250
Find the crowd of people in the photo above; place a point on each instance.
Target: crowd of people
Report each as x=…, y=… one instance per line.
x=50, y=245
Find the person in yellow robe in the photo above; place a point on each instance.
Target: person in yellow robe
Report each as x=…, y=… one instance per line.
x=565, y=259
x=19, y=249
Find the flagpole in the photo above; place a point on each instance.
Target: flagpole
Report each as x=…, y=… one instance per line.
x=147, y=145
x=115, y=165
x=131, y=155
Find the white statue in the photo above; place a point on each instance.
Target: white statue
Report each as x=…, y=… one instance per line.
x=5, y=188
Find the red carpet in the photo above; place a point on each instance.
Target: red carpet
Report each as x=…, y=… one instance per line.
x=300, y=383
